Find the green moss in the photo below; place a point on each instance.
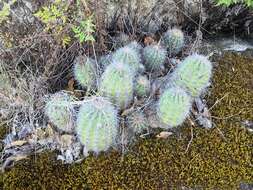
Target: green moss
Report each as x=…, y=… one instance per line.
x=213, y=161
x=43, y=172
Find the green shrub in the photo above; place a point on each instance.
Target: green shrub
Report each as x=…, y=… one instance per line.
x=227, y=3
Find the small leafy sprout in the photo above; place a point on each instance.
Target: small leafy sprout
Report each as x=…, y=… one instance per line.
x=84, y=32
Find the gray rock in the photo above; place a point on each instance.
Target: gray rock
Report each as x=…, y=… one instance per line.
x=146, y=15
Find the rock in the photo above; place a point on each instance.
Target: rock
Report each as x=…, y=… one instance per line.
x=146, y=15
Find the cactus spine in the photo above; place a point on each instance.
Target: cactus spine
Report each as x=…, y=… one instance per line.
x=173, y=107
x=173, y=39
x=193, y=74
x=85, y=72
x=142, y=86
x=117, y=84
x=135, y=46
x=120, y=40
x=60, y=111
x=97, y=125
x=154, y=57
x=137, y=122
x=128, y=56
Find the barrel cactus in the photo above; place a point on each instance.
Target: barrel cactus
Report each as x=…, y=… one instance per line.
x=173, y=107
x=97, y=125
x=173, y=39
x=135, y=46
x=60, y=111
x=117, y=84
x=137, y=122
x=193, y=74
x=85, y=72
x=120, y=40
x=142, y=86
x=128, y=56
x=154, y=57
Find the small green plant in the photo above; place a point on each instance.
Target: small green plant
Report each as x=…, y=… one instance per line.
x=6, y=10
x=84, y=32
x=154, y=57
x=173, y=39
x=142, y=86
x=85, y=72
x=227, y=3
x=137, y=122
x=97, y=125
x=173, y=107
x=117, y=84
x=60, y=111
x=128, y=56
x=193, y=74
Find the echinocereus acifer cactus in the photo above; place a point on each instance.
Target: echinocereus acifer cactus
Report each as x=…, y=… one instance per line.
x=173, y=106
x=128, y=56
x=117, y=84
x=137, y=122
x=97, y=125
x=173, y=39
x=85, y=72
x=60, y=111
x=193, y=74
x=142, y=86
x=154, y=57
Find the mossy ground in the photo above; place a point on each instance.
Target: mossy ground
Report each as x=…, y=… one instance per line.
x=216, y=159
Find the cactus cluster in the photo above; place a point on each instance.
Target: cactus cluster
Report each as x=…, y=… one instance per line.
x=124, y=84
x=173, y=40
x=97, y=125
x=85, y=72
x=60, y=111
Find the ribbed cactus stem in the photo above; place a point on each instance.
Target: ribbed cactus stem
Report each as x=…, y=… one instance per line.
x=173, y=107
x=173, y=39
x=128, y=56
x=193, y=74
x=135, y=46
x=85, y=72
x=154, y=57
x=142, y=86
x=60, y=111
x=137, y=122
x=97, y=125
x=117, y=84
